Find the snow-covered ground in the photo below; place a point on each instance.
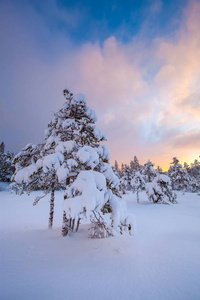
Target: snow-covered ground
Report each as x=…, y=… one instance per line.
x=162, y=261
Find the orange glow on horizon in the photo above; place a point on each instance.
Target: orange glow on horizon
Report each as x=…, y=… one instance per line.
x=164, y=164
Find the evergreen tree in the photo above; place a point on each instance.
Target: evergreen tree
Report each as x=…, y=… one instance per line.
x=99, y=194
x=194, y=170
x=126, y=178
x=193, y=176
x=6, y=165
x=149, y=171
x=69, y=155
x=160, y=190
x=186, y=167
x=180, y=179
x=138, y=183
x=194, y=185
x=134, y=165
x=38, y=169
x=159, y=170
x=122, y=183
x=116, y=169
x=50, y=164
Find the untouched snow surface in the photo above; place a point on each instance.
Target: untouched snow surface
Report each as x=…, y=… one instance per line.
x=162, y=261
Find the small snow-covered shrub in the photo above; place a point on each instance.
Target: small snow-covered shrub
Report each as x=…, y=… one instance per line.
x=99, y=228
x=160, y=191
x=89, y=198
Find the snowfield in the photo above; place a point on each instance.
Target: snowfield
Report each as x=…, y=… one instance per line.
x=161, y=262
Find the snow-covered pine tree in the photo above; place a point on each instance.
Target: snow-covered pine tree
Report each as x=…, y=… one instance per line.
x=180, y=179
x=149, y=171
x=159, y=170
x=125, y=180
x=122, y=184
x=194, y=176
x=93, y=190
x=160, y=190
x=50, y=164
x=194, y=185
x=186, y=167
x=122, y=169
x=116, y=169
x=71, y=146
x=194, y=170
x=72, y=127
x=138, y=183
x=134, y=165
x=37, y=169
x=6, y=165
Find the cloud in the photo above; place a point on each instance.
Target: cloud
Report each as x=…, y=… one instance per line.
x=145, y=93
x=190, y=140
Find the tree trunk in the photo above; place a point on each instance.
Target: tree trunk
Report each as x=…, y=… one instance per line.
x=72, y=225
x=78, y=223
x=64, y=225
x=51, y=213
x=68, y=224
x=137, y=196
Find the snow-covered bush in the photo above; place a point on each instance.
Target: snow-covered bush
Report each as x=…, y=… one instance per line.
x=88, y=198
x=93, y=194
x=160, y=191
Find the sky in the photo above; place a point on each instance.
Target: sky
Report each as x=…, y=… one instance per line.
x=137, y=61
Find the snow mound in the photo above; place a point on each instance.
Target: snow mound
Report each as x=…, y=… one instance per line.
x=62, y=173
x=85, y=194
x=52, y=161
x=80, y=98
x=65, y=147
x=24, y=175
x=87, y=155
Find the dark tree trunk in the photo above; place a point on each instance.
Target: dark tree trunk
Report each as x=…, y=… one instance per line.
x=72, y=224
x=138, y=199
x=51, y=213
x=64, y=225
x=77, y=225
x=69, y=225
